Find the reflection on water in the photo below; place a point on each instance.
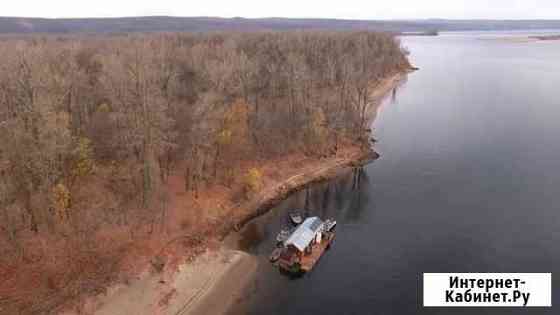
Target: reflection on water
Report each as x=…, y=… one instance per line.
x=339, y=199
x=251, y=236
x=467, y=182
x=354, y=211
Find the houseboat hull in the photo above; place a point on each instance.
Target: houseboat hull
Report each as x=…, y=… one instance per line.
x=305, y=263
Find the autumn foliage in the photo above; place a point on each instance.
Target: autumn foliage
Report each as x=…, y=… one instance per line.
x=93, y=127
x=252, y=182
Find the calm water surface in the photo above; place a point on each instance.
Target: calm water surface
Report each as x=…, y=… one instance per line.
x=468, y=181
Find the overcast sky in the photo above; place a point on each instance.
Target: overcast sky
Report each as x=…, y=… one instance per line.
x=351, y=9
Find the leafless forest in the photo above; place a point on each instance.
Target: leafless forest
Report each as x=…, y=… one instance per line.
x=92, y=127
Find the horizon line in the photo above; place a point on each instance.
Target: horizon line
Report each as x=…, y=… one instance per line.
x=280, y=17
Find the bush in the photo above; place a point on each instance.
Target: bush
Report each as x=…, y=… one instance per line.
x=252, y=182
x=61, y=201
x=83, y=159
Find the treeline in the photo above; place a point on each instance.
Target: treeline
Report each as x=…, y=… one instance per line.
x=121, y=113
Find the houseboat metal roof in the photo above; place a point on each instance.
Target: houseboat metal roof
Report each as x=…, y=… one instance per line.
x=304, y=233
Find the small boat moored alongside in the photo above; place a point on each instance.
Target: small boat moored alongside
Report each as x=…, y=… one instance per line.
x=330, y=224
x=275, y=255
x=283, y=235
x=296, y=218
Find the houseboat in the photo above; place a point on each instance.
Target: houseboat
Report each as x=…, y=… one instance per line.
x=306, y=244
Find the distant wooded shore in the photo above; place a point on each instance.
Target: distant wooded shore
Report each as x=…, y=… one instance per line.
x=23, y=25
x=425, y=33
x=546, y=37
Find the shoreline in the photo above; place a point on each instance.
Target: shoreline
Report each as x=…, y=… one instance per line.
x=224, y=274
x=268, y=198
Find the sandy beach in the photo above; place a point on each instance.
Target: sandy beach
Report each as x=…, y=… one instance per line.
x=193, y=289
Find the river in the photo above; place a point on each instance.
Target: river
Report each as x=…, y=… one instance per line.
x=468, y=181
